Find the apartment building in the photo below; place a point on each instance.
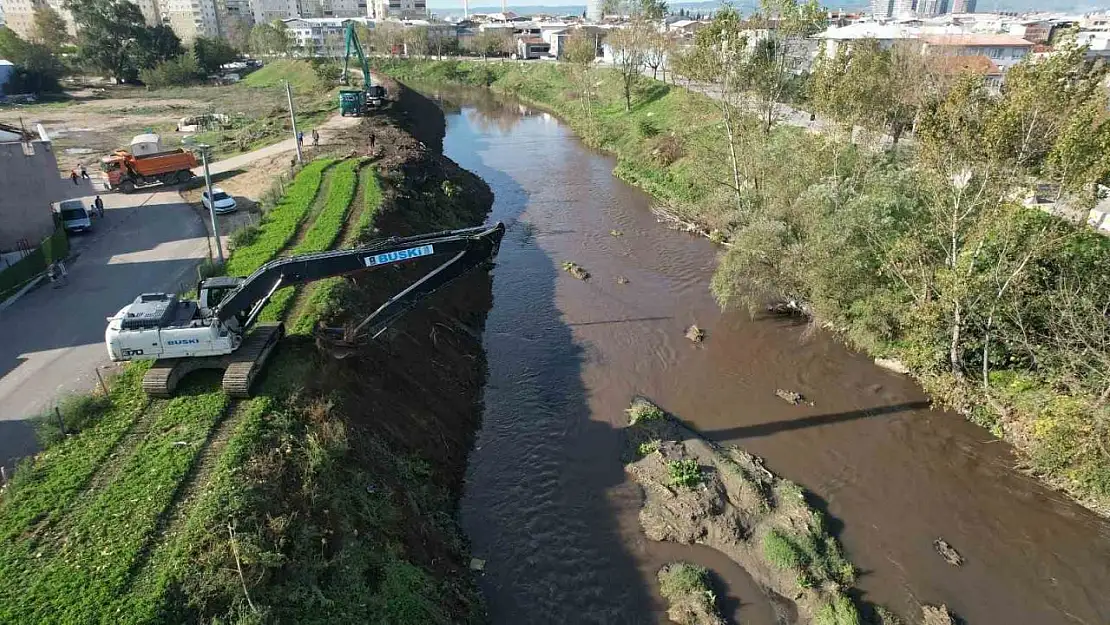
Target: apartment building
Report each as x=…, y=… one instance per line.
x=404, y=9
x=19, y=15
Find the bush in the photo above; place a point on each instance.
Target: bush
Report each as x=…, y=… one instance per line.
x=840, y=611
x=642, y=411
x=182, y=70
x=647, y=128
x=648, y=447
x=684, y=473
x=327, y=72
x=245, y=236
x=781, y=552
x=78, y=412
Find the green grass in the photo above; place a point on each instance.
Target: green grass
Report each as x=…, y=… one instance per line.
x=44, y=485
x=839, y=611
x=648, y=447
x=686, y=588
x=279, y=226
x=322, y=234
x=684, y=473
x=72, y=578
x=299, y=74
x=324, y=298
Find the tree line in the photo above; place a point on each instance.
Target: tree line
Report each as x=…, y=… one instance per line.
x=112, y=40
x=935, y=252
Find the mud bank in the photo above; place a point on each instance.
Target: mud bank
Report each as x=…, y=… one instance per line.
x=416, y=391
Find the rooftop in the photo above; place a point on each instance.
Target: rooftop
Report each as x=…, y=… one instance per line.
x=977, y=39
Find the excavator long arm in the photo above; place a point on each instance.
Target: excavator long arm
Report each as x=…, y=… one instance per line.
x=353, y=44
x=462, y=250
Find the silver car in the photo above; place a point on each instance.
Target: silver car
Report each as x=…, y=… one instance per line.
x=224, y=202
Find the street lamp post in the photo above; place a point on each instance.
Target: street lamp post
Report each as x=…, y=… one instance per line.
x=211, y=203
x=293, y=118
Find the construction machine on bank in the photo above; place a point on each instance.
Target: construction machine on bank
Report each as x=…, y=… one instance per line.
x=218, y=330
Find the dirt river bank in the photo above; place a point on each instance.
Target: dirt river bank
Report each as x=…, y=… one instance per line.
x=548, y=504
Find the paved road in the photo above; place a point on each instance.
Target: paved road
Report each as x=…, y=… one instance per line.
x=52, y=339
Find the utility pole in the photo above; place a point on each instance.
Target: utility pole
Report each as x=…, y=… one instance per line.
x=212, y=204
x=293, y=118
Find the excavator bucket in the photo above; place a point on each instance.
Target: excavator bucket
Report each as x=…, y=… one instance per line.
x=335, y=342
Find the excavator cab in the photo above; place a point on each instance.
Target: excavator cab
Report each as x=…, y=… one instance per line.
x=212, y=291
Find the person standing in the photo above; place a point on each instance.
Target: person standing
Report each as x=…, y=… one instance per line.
x=300, y=138
x=315, y=137
x=373, y=139
x=98, y=204
x=84, y=172
x=73, y=177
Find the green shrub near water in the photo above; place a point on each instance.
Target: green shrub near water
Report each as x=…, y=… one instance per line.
x=807, y=198
x=684, y=473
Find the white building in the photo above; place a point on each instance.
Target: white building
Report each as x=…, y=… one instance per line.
x=404, y=9
x=318, y=36
x=1004, y=51
x=190, y=19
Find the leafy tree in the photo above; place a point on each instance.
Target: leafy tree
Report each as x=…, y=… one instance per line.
x=210, y=54
x=416, y=41
x=775, y=56
x=653, y=9
x=237, y=32
x=271, y=39
x=49, y=29
x=180, y=71
x=628, y=46
x=37, y=69
x=387, y=37
x=580, y=50
x=113, y=38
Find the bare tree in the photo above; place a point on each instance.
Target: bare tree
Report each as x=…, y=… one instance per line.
x=627, y=45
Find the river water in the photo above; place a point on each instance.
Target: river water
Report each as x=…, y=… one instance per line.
x=547, y=504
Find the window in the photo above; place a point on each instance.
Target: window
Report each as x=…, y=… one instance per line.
x=995, y=53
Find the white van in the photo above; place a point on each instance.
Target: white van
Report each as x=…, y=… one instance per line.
x=75, y=216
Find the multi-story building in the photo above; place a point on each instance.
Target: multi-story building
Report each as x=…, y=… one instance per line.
x=404, y=9
x=1004, y=51
x=152, y=13
x=19, y=15
x=593, y=9
x=266, y=11
x=317, y=36
x=190, y=19
x=882, y=9
x=962, y=6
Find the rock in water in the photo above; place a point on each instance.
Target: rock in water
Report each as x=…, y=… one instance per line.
x=695, y=334
x=949, y=553
x=622, y=280
x=790, y=397
x=576, y=270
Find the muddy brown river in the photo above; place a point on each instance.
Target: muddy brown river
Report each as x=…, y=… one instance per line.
x=547, y=504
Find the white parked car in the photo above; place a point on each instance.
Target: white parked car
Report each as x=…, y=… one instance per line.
x=224, y=202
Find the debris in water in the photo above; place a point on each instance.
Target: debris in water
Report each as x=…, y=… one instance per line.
x=791, y=397
x=695, y=334
x=949, y=553
x=477, y=564
x=936, y=615
x=622, y=280
x=616, y=233
x=576, y=270
x=892, y=364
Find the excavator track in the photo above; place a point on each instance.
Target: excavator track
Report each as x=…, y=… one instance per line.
x=244, y=364
x=161, y=379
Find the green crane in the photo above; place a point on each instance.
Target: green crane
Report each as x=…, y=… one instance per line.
x=358, y=102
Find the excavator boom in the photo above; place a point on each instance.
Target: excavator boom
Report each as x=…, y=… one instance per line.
x=215, y=331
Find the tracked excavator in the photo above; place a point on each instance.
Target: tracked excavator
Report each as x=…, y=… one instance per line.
x=218, y=330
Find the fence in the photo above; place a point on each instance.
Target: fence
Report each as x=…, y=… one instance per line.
x=55, y=247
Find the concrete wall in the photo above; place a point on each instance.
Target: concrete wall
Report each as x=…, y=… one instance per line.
x=28, y=185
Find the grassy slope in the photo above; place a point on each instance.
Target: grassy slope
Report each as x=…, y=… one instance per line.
x=662, y=145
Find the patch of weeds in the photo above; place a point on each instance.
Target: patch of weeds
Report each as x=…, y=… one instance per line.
x=684, y=473
x=839, y=611
x=643, y=411
x=647, y=128
x=576, y=270
x=77, y=412
x=245, y=236
x=780, y=551
x=648, y=448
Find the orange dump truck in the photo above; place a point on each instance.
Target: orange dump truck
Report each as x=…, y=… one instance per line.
x=147, y=164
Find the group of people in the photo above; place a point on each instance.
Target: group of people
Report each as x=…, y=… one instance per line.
x=79, y=174
x=315, y=138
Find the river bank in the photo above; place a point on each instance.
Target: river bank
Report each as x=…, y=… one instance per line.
x=670, y=146
x=547, y=503
x=329, y=496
